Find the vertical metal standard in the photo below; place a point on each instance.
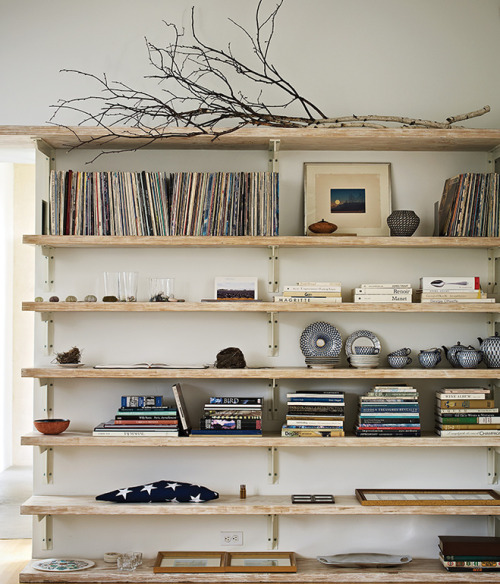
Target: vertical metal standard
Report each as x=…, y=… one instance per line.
x=272, y=465
x=47, y=452
x=47, y=391
x=492, y=528
x=273, y=402
x=272, y=532
x=491, y=465
x=48, y=273
x=273, y=271
x=47, y=531
x=273, y=350
x=274, y=163
x=47, y=319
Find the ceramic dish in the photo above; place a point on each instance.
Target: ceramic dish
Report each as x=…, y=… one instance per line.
x=364, y=560
x=70, y=365
x=62, y=564
x=320, y=339
x=362, y=334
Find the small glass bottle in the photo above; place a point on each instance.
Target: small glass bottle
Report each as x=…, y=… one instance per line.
x=243, y=492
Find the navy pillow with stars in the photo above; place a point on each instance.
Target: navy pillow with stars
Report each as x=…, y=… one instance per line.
x=161, y=492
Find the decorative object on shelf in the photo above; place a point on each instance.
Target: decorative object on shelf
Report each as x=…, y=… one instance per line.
x=313, y=499
x=366, y=560
x=406, y=351
x=71, y=357
x=128, y=561
x=448, y=497
x=357, y=196
x=71, y=299
x=161, y=492
x=243, y=491
x=322, y=227
x=161, y=289
x=90, y=298
x=490, y=348
x=363, y=356
x=361, y=334
x=261, y=562
x=429, y=358
x=110, y=557
x=236, y=288
x=128, y=286
x=398, y=361
x=38, y=299
x=469, y=358
x=111, y=286
x=230, y=358
x=51, y=425
x=321, y=344
x=366, y=350
x=54, y=299
x=452, y=352
x=62, y=564
x=403, y=223
x=185, y=562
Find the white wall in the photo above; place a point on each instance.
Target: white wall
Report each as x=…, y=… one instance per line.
x=424, y=59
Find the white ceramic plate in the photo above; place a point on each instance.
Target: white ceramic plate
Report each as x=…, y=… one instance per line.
x=62, y=564
x=70, y=365
x=364, y=560
x=362, y=334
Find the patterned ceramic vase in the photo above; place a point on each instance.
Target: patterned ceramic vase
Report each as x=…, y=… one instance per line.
x=403, y=223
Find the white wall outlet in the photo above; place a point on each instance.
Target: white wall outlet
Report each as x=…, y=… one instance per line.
x=231, y=538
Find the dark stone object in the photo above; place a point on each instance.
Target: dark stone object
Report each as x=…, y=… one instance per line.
x=110, y=299
x=403, y=223
x=230, y=358
x=53, y=299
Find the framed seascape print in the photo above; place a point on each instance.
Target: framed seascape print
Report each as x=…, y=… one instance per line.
x=261, y=562
x=427, y=497
x=356, y=197
x=194, y=562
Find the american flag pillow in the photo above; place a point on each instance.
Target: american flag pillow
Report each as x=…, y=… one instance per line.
x=161, y=492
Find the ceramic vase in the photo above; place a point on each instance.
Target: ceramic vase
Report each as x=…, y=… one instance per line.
x=403, y=223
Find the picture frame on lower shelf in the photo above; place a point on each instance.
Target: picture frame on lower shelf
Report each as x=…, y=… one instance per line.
x=261, y=562
x=427, y=497
x=190, y=562
x=354, y=196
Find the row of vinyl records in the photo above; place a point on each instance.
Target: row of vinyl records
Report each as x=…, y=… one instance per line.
x=470, y=206
x=161, y=203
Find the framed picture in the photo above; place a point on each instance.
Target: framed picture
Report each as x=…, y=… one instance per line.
x=427, y=497
x=236, y=288
x=190, y=562
x=354, y=196
x=261, y=562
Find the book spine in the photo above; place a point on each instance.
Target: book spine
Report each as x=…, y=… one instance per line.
x=382, y=298
x=144, y=417
x=470, y=420
x=303, y=433
x=447, y=396
x=466, y=403
x=389, y=285
x=134, y=433
x=313, y=288
x=450, y=282
x=383, y=291
x=235, y=400
x=310, y=299
x=231, y=424
x=139, y=401
x=146, y=422
x=468, y=432
x=469, y=427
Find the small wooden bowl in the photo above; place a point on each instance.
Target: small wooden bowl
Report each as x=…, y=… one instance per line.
x=51, y=426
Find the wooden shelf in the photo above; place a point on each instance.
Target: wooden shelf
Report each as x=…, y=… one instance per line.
x=233, y=505
x=309, y=570
x=266, y=441
x=259, y=373
x=257, y=138
x=340, y=241
x=237, y=306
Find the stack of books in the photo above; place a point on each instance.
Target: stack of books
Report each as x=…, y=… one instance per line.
x=141, y=416
x=232, y=415
x=314, y=414
x=313, y=292
x=382, y=293
x=466, y=412
x=389, y=410
x=464, y=553
x=451, y=289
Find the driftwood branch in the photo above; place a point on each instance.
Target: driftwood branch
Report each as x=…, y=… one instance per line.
x=197, y=90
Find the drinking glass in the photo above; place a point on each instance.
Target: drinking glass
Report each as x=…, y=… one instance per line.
x=126, y=562
x=128, y=286
x=161, y=289
x=112, y=285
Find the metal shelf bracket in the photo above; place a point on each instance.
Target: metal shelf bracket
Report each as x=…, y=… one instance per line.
x=274, y=163
x=48, y=464
x=491, y=463
x=272, y=465
x=47, y=319
x=273, y=278
x=48, y=274
x=272, y=532
x=47, y=532
x=493, y=526
x=47, y=398
x=272, y=409
x=273, y=349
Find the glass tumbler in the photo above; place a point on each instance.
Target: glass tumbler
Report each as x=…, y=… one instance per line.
x=126, y=562
x=112, y=285
x=161, y=289
x=128, y=286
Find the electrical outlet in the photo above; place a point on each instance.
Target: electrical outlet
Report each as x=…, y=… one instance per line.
x=231, y=538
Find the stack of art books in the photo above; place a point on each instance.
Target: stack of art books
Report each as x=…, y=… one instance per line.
x=141, y=416
x=395, y=292
x=389, y=410
x=470, y=206
x=464, y=553
x=451, y=289
x=468, y=411
x=315, y=414
x=232, y=416
x=312, y=292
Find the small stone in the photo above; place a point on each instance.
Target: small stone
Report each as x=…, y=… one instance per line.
x=54, y=299
x=90, y=298
x=38, y=299
x=110, y=299
x=71, y=299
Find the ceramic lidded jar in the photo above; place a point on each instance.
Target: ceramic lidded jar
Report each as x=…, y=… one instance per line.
x=403, y=223
x=490, y=349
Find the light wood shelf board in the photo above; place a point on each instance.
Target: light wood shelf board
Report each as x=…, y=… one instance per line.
x=309, y=570
x=259, y=373
x=257, y=138
x=341, y=241
x=233, y=505
x=237, y=306
x=80, y=439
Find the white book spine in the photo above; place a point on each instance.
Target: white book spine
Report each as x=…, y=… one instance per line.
x=336, y=288
x=382, y=291
x=382, y=298
x=310, y=299
x=393, y=285
x=469, y=432
x=463, y=283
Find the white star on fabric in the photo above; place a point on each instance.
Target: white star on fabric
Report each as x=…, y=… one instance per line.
x=172, y=486
x=148, y=488
x=123, y=492
x=196, y=499
x=174, y=500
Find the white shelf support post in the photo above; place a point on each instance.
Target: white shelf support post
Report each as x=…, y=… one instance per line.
x=274, y=148
x=46, y=527
x=272, y=532
x=47, y=319
x=493, y=530
x=272, y=465
x=48, y=463
x=273, y=279
x=273, y=350
x=491, y=462
x=273, y=402
x=47, y=394
x=48, y=273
